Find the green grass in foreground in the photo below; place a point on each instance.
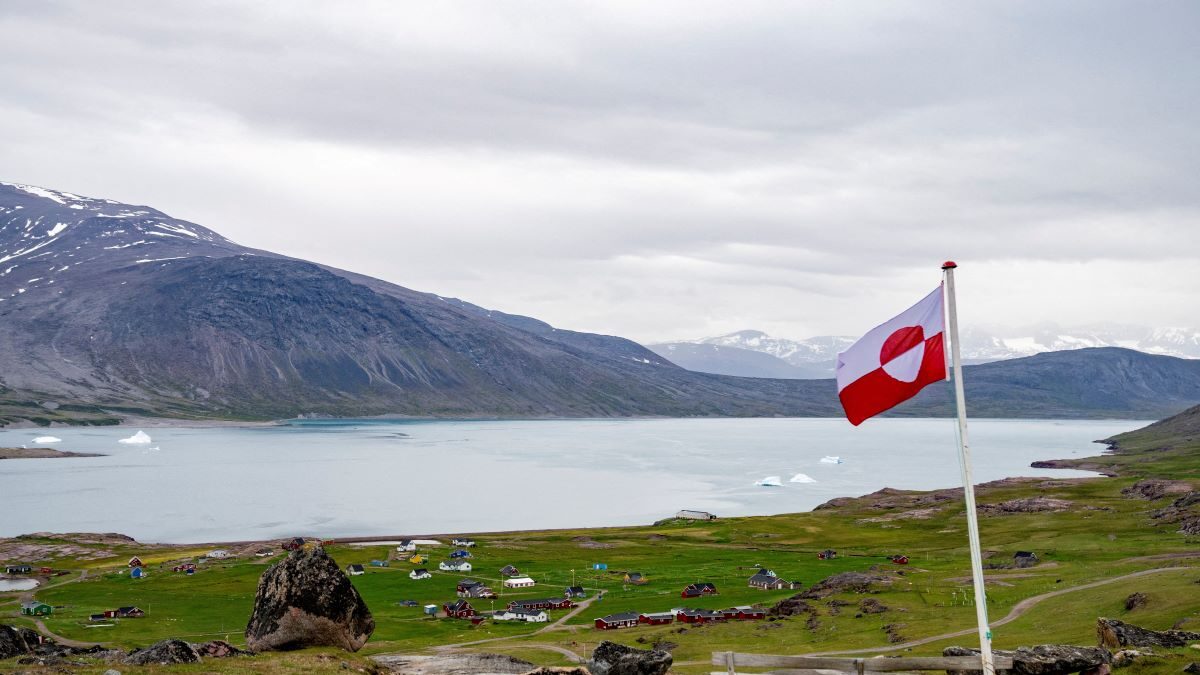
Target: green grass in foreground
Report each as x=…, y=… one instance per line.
x=1102, y=535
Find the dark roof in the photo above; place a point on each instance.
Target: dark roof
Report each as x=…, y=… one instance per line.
x=575, y=589
x=1025, y=554
x=623, y=616
x=763, y=578
x=421, y=570
x=538, y=601
x=457, y=605
x=125, y=610
x=356, y=567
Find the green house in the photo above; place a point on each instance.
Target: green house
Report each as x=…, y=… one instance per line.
x=36, y=608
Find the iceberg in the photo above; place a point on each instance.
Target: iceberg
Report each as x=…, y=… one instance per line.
x=802, y=478
x=770, y=481
x=47, y=439
x=138, y=439
x=831, y=459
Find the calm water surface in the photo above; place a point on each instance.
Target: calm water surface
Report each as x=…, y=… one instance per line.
x=350, y=478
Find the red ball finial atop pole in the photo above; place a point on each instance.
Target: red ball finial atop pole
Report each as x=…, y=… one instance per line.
x=949, y=265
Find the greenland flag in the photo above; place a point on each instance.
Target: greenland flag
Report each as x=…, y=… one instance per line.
x=894, y=361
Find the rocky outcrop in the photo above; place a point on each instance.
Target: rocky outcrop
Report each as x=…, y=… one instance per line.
x=1156, y=488
x=166, y=652
x=610, y=658
x=305, y=600
x=218, y=649
x=455, y=664
x=845, y=582
x=1192, y=668
x=792, y=606
x=1027, y=505
x=872, y=606
x=1043, y=659
x=1114, y=634
x=1135, y=601
x=17, y=641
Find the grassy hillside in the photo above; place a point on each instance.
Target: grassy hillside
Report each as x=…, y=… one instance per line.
x=1099, y=532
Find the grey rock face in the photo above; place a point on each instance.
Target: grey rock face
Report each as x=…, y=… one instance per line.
x=1114, y=634
x=1045, y=659
x=610, y=658
x=17, y=641
x=164, y=653
x=305, y=600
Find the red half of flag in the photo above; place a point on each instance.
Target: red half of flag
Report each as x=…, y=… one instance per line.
x=893, y=361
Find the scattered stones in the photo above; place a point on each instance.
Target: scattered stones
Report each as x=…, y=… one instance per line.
x=792, y=606
x=893, y=632
x=1156, y=488
x=610, y=658
x=305, y=600
x=872, y=606
x=559, y=670
x=1134, y=601
x=1044, y=659
x=1125, y=657
x=1114, y=634
x=164, y=653
x=1193, y=668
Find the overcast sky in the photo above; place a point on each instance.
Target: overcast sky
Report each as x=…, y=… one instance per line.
x=656, y=170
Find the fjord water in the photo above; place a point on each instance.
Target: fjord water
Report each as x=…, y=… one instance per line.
x=373, y=477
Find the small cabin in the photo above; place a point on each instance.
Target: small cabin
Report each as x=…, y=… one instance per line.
x=137, y=573
x=354, y=569
x=407, y=546
x=18, y=569
x=430, y=610
x=462, y=542
x=575, y=592
x=264, y=553
x=184, y=567
x=379, y=563
x=519, y=582
x=528, y=616
x=827, y=554
x=621, y=620
x=460, y=553
x=636, y=578
x=698, y=616
x=135, y=562
x=421, y=573
x=130, y=612
x=293, y=544
x=455, y=566
x=36, y=608
x=218, y=554
x=689, y=514
x=899, y=559
x=418, y=559
x=510, y=571
x=766, y=580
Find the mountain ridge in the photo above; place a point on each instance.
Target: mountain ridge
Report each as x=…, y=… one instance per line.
x=112, y=307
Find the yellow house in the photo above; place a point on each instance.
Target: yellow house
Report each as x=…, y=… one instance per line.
x=419, y=559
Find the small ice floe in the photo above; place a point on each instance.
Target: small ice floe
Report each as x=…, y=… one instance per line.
x=47, y=439
x=770, y=481
x=139, y=438
x=802, y=478
x=831, y=459
x=150, y=450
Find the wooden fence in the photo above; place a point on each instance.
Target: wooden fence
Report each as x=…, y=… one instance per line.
x=813, y=665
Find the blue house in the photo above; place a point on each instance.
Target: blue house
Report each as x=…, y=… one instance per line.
x=137, y=573
x=460, y=553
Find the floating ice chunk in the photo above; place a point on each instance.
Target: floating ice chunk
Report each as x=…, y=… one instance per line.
x=802, y=478
x=831, y=459
x=139, y=438
x=47, y=439
x=770, y=481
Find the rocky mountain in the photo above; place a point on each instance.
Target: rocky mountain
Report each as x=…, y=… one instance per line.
x=112, y=308
x=815, y=357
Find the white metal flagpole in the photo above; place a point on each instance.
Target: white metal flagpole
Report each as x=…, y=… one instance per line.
x=964, y=460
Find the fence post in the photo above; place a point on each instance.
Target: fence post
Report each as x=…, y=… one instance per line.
x=860, y=666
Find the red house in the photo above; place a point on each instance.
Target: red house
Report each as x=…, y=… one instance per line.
x=900, y=559
x=744, y=613
x=622, y=620
x=460, y=609
x=185, y=567
x=135, y=562
x=656, y=618
x=698, y=589
x=544, y=603
x=699, y=616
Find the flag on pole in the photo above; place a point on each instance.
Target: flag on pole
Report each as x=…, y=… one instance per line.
x=893, y=361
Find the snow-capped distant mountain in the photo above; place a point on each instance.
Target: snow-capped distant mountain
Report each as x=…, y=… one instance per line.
x=814, y=357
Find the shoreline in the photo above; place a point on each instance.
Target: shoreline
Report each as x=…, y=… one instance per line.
x=42, y=453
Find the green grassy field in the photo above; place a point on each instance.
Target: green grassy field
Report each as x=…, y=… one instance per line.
x=1101, y=535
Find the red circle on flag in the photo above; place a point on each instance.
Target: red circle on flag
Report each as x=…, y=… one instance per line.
x=900, y=342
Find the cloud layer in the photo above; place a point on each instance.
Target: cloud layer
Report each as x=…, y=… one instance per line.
x=656, y=170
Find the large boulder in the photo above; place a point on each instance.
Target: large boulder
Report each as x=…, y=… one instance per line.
x=846, y=582
x=610, y=658
x=164, y=653
x=1114, y=634
x=1044, y=659
x=305, y=600
x=17, y=641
